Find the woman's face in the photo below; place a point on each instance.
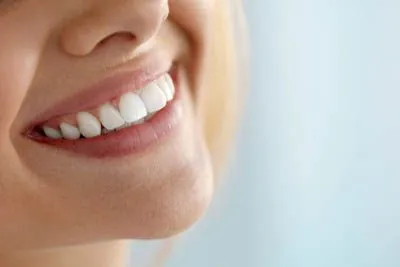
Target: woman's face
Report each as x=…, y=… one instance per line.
x=99, y=134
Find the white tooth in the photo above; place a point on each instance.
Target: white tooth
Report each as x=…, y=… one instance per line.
x=52, y=133
x=132, y=107
x=153, y=98
x=170, y=82
x=89, y=125
x=110, y=117
x=139, y=121
x=162, y=83
x=69, y=132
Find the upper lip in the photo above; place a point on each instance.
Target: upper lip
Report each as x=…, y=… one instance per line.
x=149, y=69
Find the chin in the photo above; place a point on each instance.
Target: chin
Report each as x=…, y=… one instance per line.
x=174, y=208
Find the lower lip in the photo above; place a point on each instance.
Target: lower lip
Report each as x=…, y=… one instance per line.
x=129, y=140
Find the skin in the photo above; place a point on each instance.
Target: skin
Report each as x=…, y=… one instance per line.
x=50, y=199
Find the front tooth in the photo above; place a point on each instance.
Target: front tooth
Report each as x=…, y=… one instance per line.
x=70, y=132
x=89, y=125
x=170, y=82
x=110, y=117
x=132, y=108
x=52, y=133
x=162, y=83
x=153, y=97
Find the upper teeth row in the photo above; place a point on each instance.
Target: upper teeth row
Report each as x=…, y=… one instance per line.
x=132, y=108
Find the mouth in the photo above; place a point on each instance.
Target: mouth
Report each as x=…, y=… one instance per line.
x=121, y=116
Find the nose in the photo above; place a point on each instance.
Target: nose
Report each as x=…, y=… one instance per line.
x=108, y=21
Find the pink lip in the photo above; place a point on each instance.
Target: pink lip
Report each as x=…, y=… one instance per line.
x=125, y=141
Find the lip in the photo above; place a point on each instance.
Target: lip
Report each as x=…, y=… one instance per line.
x=125, y=141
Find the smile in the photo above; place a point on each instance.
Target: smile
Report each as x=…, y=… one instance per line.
x=143, y=108
x=132, y=108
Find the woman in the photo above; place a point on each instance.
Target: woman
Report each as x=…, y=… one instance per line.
x=115, y=117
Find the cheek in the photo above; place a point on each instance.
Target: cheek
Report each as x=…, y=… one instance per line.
x=19, y=55
x=193, y=16
x=26, y=29
x=195, y=19
x=17, y=67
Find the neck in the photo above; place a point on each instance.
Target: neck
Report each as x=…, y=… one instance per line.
x=111, y=254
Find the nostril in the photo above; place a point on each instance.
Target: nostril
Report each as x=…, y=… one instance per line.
x=121, y=36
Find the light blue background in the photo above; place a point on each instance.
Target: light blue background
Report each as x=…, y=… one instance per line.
x=316, y=182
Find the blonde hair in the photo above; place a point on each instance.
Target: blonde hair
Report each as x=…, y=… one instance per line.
x=220, y=104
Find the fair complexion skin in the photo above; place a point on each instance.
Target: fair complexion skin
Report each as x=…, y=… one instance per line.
x=68, y=201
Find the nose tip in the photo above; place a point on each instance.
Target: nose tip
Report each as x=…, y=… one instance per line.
x=106, y=22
